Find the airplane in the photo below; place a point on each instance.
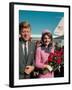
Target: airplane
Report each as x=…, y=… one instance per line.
x=59, y=30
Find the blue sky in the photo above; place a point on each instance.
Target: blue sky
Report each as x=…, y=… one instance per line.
x=40, y=20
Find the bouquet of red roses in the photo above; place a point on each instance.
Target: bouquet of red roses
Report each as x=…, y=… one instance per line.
x=56, y=59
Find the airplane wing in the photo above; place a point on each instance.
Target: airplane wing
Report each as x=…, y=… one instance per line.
x=60, y=28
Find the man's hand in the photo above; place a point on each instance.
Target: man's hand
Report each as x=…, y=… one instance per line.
x=29, y=69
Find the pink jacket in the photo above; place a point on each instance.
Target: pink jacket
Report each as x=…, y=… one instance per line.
x=41, y=58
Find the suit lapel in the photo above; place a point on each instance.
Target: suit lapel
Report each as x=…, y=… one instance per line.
x=22, y=52
x=29, y=48
x=29, y=51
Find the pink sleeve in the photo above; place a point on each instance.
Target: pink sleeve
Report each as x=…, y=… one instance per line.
x=39, y=64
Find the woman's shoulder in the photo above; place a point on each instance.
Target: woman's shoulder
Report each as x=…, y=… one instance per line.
x=39, y=48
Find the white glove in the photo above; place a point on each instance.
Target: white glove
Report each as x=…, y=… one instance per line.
x=49, y=68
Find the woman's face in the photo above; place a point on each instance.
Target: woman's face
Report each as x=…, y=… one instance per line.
x=46, y=40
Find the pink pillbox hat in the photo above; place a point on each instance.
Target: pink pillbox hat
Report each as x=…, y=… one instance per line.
x=46, y=31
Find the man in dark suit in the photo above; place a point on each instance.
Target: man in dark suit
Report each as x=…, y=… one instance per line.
x=26, y=51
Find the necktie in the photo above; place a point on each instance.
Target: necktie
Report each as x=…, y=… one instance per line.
x=25, y=50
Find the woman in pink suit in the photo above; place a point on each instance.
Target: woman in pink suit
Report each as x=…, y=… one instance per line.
x=42, y=54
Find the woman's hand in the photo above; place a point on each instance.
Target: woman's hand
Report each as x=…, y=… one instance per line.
x=45, y=66
x=48, y=67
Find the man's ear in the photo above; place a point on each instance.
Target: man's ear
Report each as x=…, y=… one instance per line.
x=19, y=35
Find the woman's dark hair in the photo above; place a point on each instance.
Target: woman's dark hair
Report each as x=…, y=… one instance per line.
x=49, y=35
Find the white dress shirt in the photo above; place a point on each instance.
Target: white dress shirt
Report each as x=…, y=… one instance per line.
x=23, y=46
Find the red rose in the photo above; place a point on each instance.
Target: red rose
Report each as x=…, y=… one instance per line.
x=50, y=58
x=59, y=61
x=56, y=58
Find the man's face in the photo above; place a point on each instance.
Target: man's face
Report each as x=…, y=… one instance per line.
x=26, y=33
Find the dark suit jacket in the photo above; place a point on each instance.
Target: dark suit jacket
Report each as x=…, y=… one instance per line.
x=22, y=61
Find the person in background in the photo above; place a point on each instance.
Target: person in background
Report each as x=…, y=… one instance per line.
x=42, y=54
x=38, y=43
x=26, y=51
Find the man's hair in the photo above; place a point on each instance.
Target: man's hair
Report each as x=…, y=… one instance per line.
x=24, y=24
